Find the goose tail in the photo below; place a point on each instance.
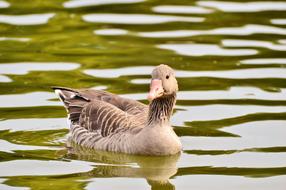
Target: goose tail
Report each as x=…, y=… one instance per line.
x=73, y=101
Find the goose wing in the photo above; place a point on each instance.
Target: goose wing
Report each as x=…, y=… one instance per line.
x=101, y=111
x=127, y=105
x=104, y=118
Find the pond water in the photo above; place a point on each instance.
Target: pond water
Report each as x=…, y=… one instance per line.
x=229, y=57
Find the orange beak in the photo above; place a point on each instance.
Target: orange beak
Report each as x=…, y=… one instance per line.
x=156, y=89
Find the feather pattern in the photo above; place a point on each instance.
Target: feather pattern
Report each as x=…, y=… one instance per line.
x=105, y=121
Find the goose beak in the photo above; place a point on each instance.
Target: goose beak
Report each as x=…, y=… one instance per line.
x=156, y=89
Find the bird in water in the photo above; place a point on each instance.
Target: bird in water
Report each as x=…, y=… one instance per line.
x=104, y=121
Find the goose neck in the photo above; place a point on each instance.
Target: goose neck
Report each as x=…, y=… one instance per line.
x=160, y=109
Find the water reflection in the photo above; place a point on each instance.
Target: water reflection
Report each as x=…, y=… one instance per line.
x=253, y=43
x=137, y=18
x=110, y=32
x=254, y=73
x=239, y=73
x=9, y=147
x=41, y=168
x=206, y=49
x=257, y=6
x=32, y=19
x=3, y=186
x=4, y=4
x=233, y=182
x=252, y=135
x=33, y=124
x=156, y=170
x=246, y=30
x=280, y=21
x=85, y=3
x=219, y=112
x=5, y=79
x=114, y=73
x=233, y=93
x=28, y=100
x=14, y=39
x=263, y=61
x=282, y=41
x=26, y=67
x=237, y=159
x=181, y=9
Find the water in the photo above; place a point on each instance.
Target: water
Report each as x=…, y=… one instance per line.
x=230, y=115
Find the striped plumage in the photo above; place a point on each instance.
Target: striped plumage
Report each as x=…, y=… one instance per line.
x=105, y=121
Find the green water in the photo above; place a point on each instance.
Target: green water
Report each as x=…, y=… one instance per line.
x=229, y=58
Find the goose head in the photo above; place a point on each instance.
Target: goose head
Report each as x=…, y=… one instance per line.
x=163, y=82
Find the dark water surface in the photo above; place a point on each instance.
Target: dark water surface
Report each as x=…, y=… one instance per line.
x=229, y=57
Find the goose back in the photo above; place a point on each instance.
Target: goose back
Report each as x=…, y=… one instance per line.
x=76, y=100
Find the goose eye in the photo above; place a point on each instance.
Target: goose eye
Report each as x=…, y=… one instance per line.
x=167, y=76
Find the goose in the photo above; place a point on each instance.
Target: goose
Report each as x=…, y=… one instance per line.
x=104, y=121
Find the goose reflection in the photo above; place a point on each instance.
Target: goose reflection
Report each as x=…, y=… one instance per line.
x=156, y=170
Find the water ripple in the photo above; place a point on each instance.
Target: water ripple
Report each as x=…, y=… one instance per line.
x=8, y=147
x=33, y=124
x=219, y=112
x=253, y=43
x=206, y=50
x=264, y=61
x=252, y=134
x=137, y=18
x=32, y=19
x=281, y=21
x=246, y=30
x=240, y=73
x=5, y=79
x=42, y=168
x=28, y=100
x=4, y=4
x=115, y=73
x=257, y=6
x=282, y=41
x=26, y=67
x=254, y=73
x=7, y=187
x=15, y=39
x=180, y=9
x=233, y=93
x=230, y=180
x=85, y=3
x=241, y=159
x=110, y=32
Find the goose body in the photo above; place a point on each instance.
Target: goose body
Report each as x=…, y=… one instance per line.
x=104, y=121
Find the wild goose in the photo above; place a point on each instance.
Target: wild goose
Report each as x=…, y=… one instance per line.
x=104, y=121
